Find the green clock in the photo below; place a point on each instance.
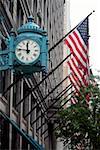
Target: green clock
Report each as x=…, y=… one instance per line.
x=27, y=51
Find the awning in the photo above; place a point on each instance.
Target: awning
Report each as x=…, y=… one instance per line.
x=29, y=139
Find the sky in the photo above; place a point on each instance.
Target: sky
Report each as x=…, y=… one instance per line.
x=79, y=9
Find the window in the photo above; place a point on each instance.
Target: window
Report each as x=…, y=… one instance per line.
x=35, y=9
x=20, y=15
x=11, y=6
x=14, y=96
x=39, y=18
x=5, y=83
x=4, y=134
x=32, y=106
x=15, y=138
x=16, y=90
x=24, y=144
x=25, y=102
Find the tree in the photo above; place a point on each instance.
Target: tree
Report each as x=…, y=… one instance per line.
x=80, y=123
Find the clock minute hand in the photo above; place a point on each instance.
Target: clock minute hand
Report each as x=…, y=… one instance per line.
x=27, y=48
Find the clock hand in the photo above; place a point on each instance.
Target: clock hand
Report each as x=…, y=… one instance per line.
x=27, y=48
x=22, y=49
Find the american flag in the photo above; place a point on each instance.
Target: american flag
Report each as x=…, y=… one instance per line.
x=73, y=100
x=77, y=42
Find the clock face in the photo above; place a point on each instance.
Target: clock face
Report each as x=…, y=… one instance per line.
x=27, y=51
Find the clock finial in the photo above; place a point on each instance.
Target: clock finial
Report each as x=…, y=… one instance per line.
x=30, y=18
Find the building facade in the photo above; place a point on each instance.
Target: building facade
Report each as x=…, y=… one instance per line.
x=35, y=114
x=67, y=28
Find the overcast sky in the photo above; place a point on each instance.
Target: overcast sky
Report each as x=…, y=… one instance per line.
x=79, y=9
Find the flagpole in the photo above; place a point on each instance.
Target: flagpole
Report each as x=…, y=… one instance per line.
x=68, y=34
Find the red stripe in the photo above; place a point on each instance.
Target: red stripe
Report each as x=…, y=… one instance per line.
x=76, y=79
x=77, y=49
x=71, y=67
x=77, y=69
x=78, y=39
x=87, y=98
x=78, y=60
x=74, y=85
x=73, y=101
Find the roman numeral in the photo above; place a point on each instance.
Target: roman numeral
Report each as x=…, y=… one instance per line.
x=36, y=50
x=34, y=54
x=26, y=58
x=19, y=54
x=22, y=57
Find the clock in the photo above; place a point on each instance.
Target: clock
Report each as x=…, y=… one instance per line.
x=27, y=51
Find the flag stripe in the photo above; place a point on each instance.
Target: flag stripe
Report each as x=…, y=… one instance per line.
x=76, y=54
x=74, y=84
x=85, y=49
x=73, y=100
x=81, y=43
x=79, y=48
x=76, y=70
x=76, y=49
x=76, y=79
x=77, y=58
x=73, y=70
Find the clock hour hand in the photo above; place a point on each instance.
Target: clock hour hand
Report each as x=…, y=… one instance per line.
x=21, y=49
x=24, y=50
